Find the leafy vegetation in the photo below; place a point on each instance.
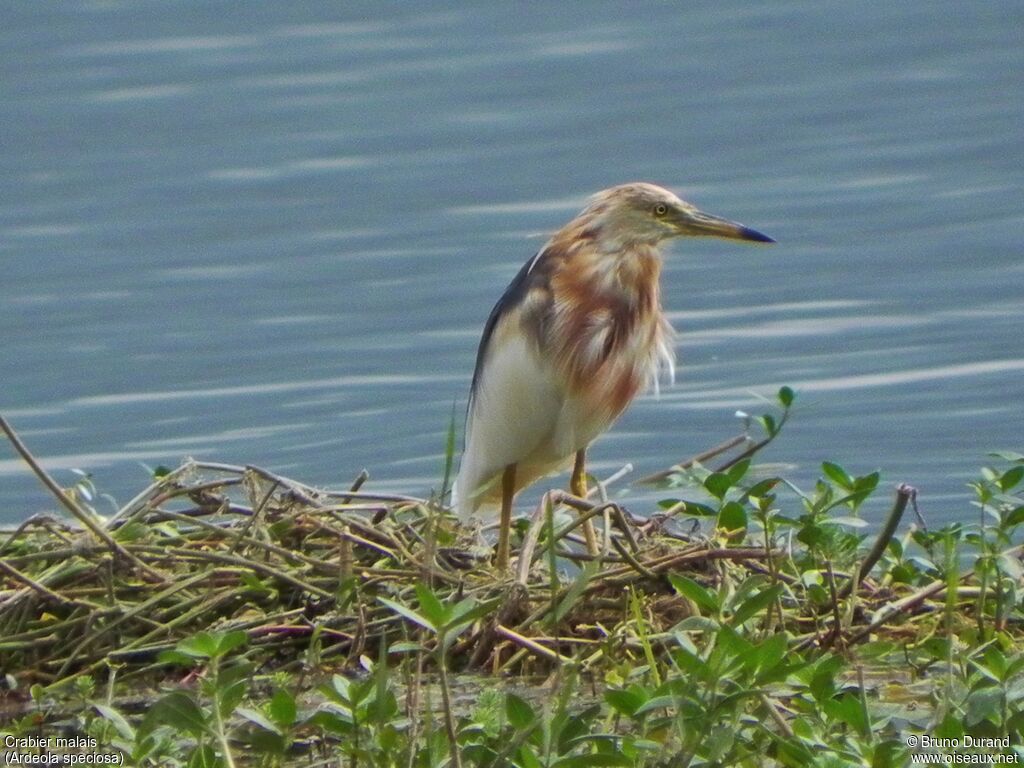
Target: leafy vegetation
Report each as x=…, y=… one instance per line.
x=236, y=617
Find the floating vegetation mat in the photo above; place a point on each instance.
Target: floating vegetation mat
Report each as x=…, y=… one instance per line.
x=219, y=547
x=318, y=618
x=214, y=547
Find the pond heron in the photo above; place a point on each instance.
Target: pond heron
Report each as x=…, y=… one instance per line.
x=576, y=335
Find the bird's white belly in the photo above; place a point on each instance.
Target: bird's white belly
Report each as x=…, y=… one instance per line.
x=512, y=418
x=577, y=426
x=526, y=412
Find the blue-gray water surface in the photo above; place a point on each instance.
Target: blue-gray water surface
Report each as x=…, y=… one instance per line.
x=270, y=232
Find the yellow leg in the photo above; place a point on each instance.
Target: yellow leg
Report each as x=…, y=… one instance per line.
x=578, y=486
x=508, y=492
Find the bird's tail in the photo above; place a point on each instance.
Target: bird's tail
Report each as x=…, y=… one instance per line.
x=474, y=487
x=463, y=501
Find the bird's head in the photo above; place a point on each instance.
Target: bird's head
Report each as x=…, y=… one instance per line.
x=646, y=214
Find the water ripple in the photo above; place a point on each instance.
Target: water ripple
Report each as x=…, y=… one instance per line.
x=859, y=381
x=128, y=398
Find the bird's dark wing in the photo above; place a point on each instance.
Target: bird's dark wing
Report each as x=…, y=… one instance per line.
x=515, y=397
x=512, y=297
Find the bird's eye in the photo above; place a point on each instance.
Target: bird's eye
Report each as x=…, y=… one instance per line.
x=660, y=209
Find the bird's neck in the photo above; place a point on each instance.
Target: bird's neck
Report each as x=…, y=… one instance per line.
x=606, y=327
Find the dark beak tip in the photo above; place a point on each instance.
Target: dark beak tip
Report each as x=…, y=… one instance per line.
x=755, y=236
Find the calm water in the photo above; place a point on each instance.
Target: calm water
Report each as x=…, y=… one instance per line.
x=273, y=237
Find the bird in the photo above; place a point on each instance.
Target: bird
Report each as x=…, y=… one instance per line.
x=577, y=334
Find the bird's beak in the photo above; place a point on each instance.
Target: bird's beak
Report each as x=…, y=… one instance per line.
x=699, y=224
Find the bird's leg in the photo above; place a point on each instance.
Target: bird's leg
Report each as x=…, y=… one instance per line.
x=508, y=492
x=578, y=486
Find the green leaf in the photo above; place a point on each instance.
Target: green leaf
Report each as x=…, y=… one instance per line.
x=666, y=701
x=573, y=594
x=1010, y=566
x=737, y=471
x=847, y=520
x=718, y=484
x=867, y=483
x=699, y=510
x=817, y=594
x=177, y=657
x=1011, y=477
x=210, y=645
x=837, y=475
x=383, y=705
x=519, y=713
x=822, y=683
x=468, y=611
x=951, y=727
x=849, y=709
x=133, y=531
x=333, y=721
x=761, y=488
x=178, y=710
x=254, y=583
x=202, y=645
x=793, y=752
x=229, y=641
x=983, y=704
x=258, y=719
x=410, y=614
x=1015, y=724
x=597, y=760
x=719, y=741
x=995, y=660
x=1008, y=455
x=405, y=646
x=1015, y=517
x=527, y=758
x=811, y=535
x=786, y=396
x=853, y=500
x=122, y=726
x=203, y=756
x=339, y=690
x=697, y=624
x=282, y=708
x=733, y=517
x=265, y=744
x=731, y=651
x=768, y=424
x=230, y=694
x=361, y=689
x=771, y=652
x=935, y=647
x=690, y=663
x=571, y=728
x=431, y=606
x=878, y=650
x=625, y=701
x=689, y=588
